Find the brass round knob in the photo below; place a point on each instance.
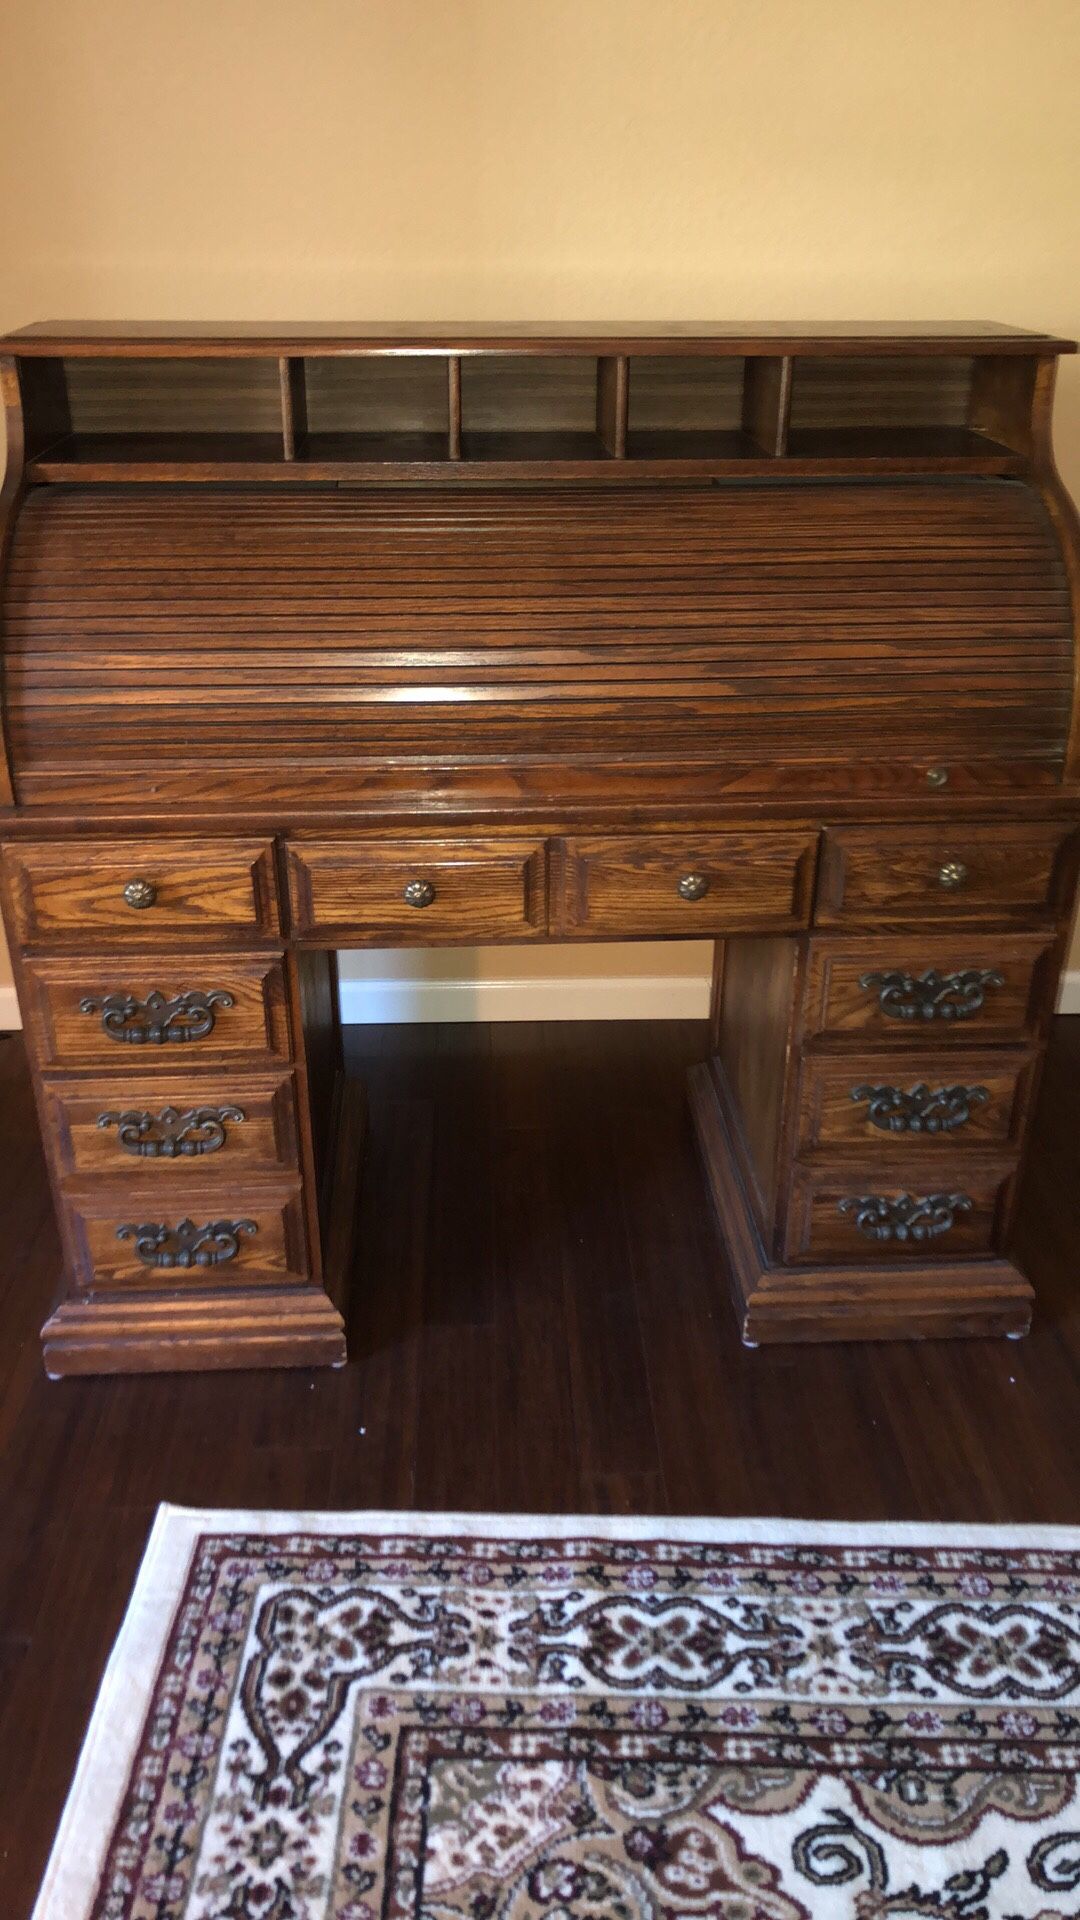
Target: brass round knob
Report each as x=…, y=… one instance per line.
x=140, y=893
x=418, y=893
x=952, y=875
x=693, y=886
x=937, y=776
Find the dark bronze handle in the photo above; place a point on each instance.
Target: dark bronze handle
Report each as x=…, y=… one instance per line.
x=187, y=1245
x=693, y=886
x=418, y=893
x=140, y=893
x=155, y=1021
x=952, y=874
x=171, y=1134
x=921, y=1109
x=932, y=995
x=905, y=1217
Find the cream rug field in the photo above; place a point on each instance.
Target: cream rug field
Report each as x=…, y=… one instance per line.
x=313, y=1716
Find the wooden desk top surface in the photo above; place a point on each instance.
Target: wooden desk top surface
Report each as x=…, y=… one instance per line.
x=741, y=337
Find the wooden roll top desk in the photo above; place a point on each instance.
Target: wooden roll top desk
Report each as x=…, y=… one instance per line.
x=326, y=638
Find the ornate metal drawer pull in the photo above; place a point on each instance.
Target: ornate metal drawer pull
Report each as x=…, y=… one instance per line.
x=906, y=1217
x=418, y=893
x=921, y=1109
x=187, y=1245
x=932, y=995
x=140, y=893
x=171, y=1134
x=952, y=874
x=693, y=886
x=155, y=1021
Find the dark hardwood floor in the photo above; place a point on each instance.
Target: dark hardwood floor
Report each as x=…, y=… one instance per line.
x=540, y=1321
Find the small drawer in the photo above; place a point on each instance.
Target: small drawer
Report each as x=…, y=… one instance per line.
x=417, y=891
x=79, y=889
x=901, y=988
x=691, y=884
x=923, y=1105
x=853, y=1218
x=116, y=1012
x=161, y=1239
x=872, y=874
x=213, y=1127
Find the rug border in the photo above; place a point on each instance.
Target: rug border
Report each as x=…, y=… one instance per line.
x=75, y=1863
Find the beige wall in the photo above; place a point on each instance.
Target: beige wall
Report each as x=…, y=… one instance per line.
x=517, y=159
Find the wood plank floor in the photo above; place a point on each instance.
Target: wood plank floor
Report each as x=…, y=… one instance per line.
x=539, y=1321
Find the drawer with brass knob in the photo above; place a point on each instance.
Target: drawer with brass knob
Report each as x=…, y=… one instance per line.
x=218, y=1125
x=708, y=884
x=410, y=891
x=186, y=1237
x=1006, y=872
x=145, y=889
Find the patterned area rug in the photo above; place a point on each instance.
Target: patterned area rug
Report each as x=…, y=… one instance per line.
x=439, y=1717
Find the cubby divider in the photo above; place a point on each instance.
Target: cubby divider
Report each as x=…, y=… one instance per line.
x=612, y=400
x=453, y=399
x=293, y=379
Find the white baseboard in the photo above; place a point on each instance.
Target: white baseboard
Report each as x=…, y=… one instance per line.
x=371, y=1002
x=1069, y=994
x=648, y=997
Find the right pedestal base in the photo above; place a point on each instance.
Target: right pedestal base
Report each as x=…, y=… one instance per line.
x=899, y=1300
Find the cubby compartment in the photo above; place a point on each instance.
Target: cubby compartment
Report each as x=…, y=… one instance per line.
x=686, y=407
x=157, y=410
x=529, y=407
x=898, y=408
x=372, y=407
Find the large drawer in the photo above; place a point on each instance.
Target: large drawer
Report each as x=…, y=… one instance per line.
x=922, y=1106
x=84, y=889
x=686, y=883
x=191, y=1010
x=1001, y=872
x=186, y=1238
x=216, y=1125
x=933, y=1215
x=920, y=988
x=417, y=891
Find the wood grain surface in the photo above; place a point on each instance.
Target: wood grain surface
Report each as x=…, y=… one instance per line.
x=248, y=638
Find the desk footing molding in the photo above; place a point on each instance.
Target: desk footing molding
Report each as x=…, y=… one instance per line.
x=300, y=1328
x=871, y=1302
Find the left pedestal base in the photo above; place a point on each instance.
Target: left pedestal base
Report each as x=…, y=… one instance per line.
x=207, y=1330
x=300, y=1328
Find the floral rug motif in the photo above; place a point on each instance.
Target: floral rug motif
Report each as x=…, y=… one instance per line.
x=421, y=1717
